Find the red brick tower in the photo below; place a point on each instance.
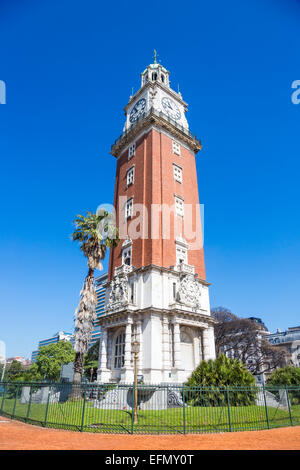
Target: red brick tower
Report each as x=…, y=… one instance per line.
x=158, y=293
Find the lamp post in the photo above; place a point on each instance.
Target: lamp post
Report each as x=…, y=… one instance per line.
x=135, y=349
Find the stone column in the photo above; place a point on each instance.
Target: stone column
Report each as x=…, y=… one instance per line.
x=196, y=351
x=127, y=369
x=140, y=340
x=200, y=349
x=166, y=349
x=177, y=349
x=208, y=342
x=103, y=374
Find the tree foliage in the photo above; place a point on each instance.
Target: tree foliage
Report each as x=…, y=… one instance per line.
x=288, y=375
x=244, y=339
x=221, y=372
x=90, y=360
x=217, y=375
x=14, y=372
x=211, y=379
x=49, y=361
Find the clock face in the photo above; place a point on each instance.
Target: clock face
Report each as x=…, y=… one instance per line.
x=171, y=108
x=137, y=110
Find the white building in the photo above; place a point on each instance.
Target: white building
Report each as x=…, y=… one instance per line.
x=289, y=339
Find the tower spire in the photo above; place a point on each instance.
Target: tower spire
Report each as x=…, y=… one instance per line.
x=155, y=56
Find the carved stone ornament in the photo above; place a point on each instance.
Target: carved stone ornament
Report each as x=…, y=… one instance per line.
x=174, y=399
x=152, y=94
x=189, y=291
x=119, y=293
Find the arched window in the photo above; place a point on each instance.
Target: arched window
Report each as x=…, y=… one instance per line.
x=127, y=252
x=187, y=350
x=119, y=351
x=127, y=257
x=154, y=76
x=162, y=78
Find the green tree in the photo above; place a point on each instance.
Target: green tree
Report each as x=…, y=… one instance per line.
x=215, y=375
x=14, y=372
x=288, y=375
x=95, y=233
x=91, y=358
x=49, y=361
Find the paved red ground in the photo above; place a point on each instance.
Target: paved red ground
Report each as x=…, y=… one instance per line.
x=15, y=435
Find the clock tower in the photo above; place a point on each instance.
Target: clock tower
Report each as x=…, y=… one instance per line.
x=157, y=291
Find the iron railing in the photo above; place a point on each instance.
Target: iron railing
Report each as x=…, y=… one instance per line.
x=163, y=408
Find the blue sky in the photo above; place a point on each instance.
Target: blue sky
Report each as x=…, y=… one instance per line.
x=69, y=68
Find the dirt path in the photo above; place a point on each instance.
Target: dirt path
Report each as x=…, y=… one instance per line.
x=16, y=435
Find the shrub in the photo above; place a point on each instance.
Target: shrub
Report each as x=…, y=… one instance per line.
x=212, y=379
x=287, y=376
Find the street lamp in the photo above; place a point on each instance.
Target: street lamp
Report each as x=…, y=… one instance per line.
x=135, y=349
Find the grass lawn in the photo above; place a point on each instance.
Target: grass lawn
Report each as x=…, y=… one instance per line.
x=68, y=415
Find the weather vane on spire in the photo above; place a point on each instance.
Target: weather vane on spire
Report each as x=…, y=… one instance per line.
x=155, y=56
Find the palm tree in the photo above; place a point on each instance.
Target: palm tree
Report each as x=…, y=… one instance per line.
x=95, y=232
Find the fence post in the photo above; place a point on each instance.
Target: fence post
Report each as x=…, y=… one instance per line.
x=183, y=401
x=132, y=407
x=47, y=407
x=289, y=405
x=266, y=407
x=83, y=409
x=16, y=396
x=29, y=403
x=228, y=406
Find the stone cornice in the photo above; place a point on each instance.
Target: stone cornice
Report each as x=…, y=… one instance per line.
x=160, y=120
x=121, y=316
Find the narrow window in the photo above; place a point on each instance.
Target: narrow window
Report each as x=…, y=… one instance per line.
x=176, y=147
x=174, y=290
x=130, y=176
x=127, y=251
x=132, y=294
x=177, y=171
x=179, y=206
x=119, y=351
x=131, y=151
x=154, y=76
x=129, y=208
x=181, y=256
x=127, y=257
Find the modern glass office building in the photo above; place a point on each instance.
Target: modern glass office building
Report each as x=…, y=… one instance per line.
x=100, y=283
x=59, y=336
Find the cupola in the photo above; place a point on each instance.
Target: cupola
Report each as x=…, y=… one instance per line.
x=155, y=73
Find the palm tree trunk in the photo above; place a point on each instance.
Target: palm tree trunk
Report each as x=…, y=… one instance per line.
x=86, y=314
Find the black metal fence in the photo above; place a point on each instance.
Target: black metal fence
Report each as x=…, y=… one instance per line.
x=163, y=408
